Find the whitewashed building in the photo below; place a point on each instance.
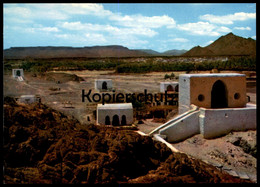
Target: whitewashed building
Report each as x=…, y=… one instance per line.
x=169, y=86
x=116, y=114
x=17, y=73
x=212, y=105
x=103, y=84
x=29, y=99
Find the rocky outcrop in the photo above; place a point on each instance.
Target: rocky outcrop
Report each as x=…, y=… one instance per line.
x=41, y=145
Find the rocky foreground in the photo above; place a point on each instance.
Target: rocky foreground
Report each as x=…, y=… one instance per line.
x=42, y=145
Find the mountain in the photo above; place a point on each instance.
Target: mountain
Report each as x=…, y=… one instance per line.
x=174, y=52
x=199, y=51
x=149, y=51
x=58, y=52
x=229, y=44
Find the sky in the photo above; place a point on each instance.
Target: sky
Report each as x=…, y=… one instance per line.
x=159, y=27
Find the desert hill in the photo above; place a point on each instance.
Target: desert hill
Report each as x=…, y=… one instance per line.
x=174, y=52
x=150, y=52
x=91, y=52
x=229, y=44
x=57, y=52
x=199, y=51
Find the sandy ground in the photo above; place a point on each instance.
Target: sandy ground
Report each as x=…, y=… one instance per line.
x=222, y=153
x=219, y=152
x=72, y=91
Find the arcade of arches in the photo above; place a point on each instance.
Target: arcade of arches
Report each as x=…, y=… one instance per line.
x=115, y=120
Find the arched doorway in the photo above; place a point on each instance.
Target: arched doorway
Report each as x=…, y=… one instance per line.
x=123, y=121
x=176, y=88
x=115, y=121
x=107, y=120
x=169, y=88
x=104, y=85
x=219, y=95
x=18, y=73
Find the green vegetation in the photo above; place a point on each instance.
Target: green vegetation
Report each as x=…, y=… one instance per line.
x=172, y=76
x=130, y=65
x=234, y=63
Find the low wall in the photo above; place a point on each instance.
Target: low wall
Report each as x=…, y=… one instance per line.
x=217, y=122
x=183, y=128
x=211, y=123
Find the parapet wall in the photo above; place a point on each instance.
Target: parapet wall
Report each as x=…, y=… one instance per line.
x=217, y=122
x=211, y=123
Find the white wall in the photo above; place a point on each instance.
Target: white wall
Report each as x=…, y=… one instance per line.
x=184, y=94
x=28, y=99
x=102, y=113
x=217, y=122
x=211, y=123
x=183, y=128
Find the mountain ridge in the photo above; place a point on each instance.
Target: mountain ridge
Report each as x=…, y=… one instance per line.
x=229, y=44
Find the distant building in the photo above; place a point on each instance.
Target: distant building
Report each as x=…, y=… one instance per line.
x=118, y=114
x=29, y=99
x=169, y=86
x=103, y=84
x=16, y=73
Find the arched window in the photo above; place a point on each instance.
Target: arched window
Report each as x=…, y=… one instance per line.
x=123, y=121
x=104, y=86
x=169, y=88
x=107, y=120
x=115, y=121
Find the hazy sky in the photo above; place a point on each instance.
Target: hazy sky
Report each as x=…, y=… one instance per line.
x=159, y=27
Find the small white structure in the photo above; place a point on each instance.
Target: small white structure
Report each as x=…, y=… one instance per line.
x=210, y=104
x=29, y=99
x=115, y=114
x=16, y=73
x=169, y=86
x=103, y=84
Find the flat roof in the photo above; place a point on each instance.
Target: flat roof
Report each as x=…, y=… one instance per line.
x=22, y=96
x=169, y=82
x=103, y=79
x=115, y=106
x=214, y=75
